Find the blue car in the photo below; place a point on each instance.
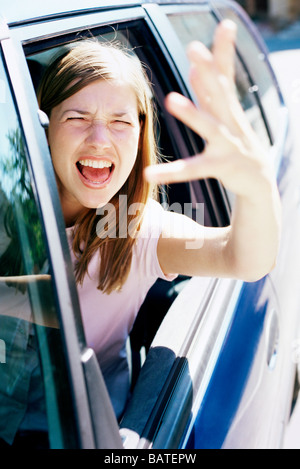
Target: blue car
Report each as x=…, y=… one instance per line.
x=213, y=361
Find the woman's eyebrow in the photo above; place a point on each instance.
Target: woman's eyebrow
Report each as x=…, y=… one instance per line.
x=121, y=113
x=78, y=111
x=85, y=113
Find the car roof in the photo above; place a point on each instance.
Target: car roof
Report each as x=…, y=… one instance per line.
x=16, y=12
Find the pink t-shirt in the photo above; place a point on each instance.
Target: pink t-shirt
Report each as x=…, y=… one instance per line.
x=108, y=319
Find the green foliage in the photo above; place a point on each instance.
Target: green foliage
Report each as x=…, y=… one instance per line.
x=25, y=253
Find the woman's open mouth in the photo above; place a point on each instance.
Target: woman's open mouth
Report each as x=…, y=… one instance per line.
x=95, y=172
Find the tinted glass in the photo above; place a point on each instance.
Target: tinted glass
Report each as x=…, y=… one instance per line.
x=257, y=65
x=200, y=25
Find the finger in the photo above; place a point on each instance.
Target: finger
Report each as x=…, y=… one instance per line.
x=196, y=167
x=203, y=75
x=214, y=90
x=213, y=77
x=224, y=52
x=224, y=49
x=183, y=109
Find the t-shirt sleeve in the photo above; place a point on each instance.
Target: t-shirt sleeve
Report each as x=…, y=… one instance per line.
x=152, y=226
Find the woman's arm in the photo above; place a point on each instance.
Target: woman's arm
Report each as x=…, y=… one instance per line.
x=234, y=155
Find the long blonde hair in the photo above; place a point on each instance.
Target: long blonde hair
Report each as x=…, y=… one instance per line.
x=79, y=66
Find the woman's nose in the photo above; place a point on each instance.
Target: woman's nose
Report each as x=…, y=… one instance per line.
x=99, y=134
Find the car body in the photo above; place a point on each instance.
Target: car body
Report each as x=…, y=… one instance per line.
x=212, y=359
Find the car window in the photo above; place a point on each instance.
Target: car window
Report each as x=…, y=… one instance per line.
x=138, y=38
x=256, y=62
x=200, y=25
x=29, y=327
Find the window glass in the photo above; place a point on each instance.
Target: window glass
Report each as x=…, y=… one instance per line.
x=200, y=26
x=29, y=329
x=256, y=63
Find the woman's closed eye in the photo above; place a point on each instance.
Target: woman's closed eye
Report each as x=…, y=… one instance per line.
x=121, y=122
x=78, y=120
x=75, y=118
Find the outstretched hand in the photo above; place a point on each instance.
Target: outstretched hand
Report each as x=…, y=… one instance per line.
x=233, y=153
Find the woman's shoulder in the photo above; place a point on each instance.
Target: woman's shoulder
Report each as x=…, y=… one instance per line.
x=152, y=221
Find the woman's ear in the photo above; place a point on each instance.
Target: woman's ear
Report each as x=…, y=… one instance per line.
x=44, y=120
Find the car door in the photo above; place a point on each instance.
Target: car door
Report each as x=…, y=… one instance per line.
x=46, y=368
